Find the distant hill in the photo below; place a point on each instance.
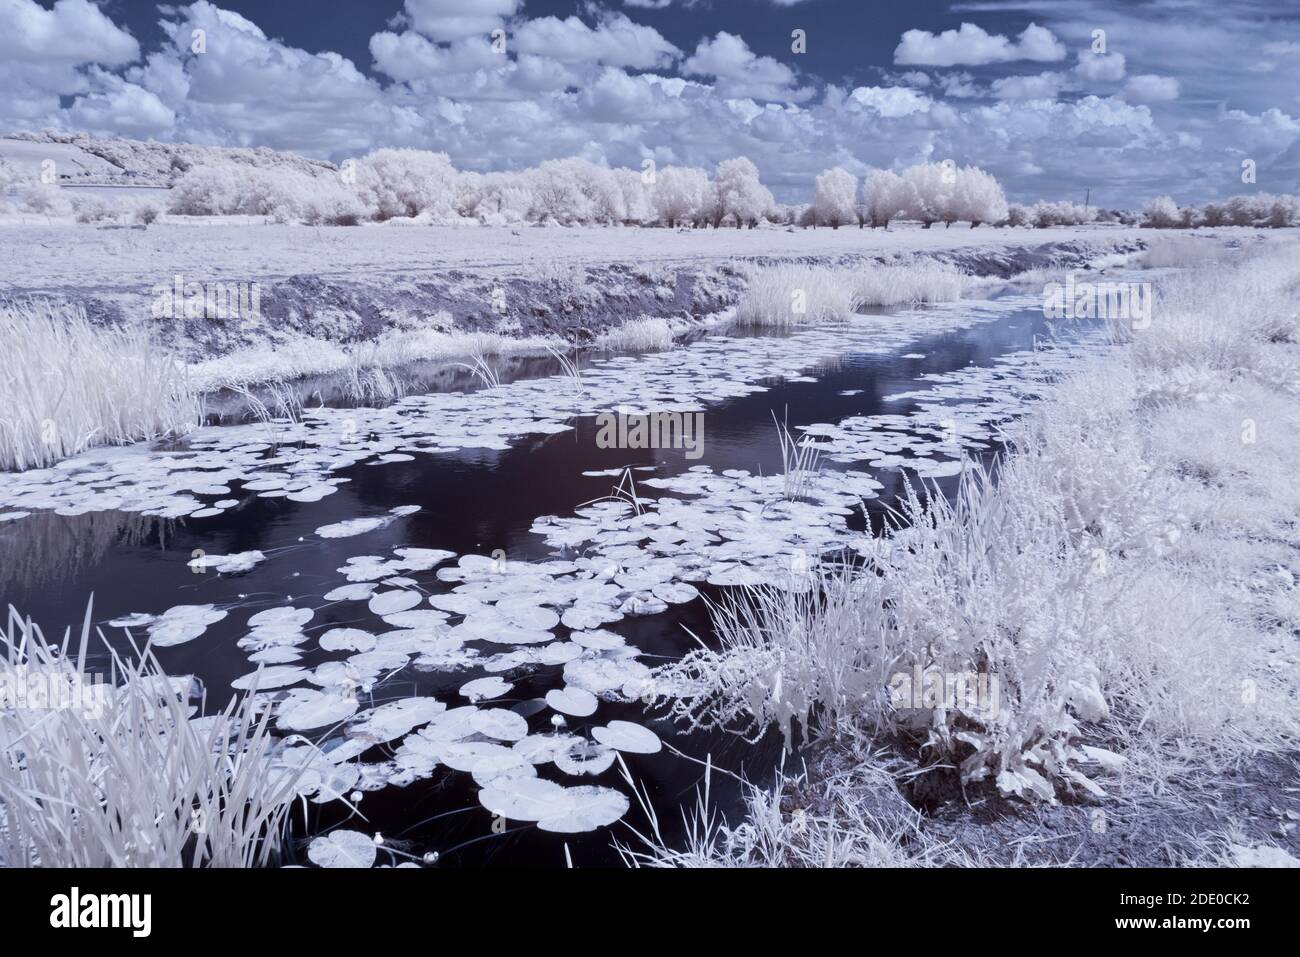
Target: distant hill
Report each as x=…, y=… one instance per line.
x=84, y=159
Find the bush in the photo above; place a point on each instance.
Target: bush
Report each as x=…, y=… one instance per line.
x=68, y=384
x=1161, y=213
x=47, y=199
x=406, y=182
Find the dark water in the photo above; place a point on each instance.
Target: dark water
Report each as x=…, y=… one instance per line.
x=472, y=502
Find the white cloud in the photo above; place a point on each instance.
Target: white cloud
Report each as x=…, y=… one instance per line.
x=615, y=40
x=47, y=53
x=72, y=31
x=1044, y=86
x=892, y=102
x=458, y=19
x=1149, y=88
x=740, y=72
x=411, y=56
x=970, y=45
x=575, y=90
x=1100, y=67
x=117, y=107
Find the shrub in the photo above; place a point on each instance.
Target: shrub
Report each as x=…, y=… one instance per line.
x=131, y=779
x=68, y=384
x=406, y=182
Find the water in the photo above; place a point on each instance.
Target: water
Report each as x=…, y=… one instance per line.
x=478, y=502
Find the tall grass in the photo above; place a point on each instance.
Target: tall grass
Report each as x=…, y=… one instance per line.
x=1098, y=573
x=924, y=280
x=860, y=821
x=67, y=384
x=791, y=295
x=647, y=334
x=134, y=781
x=800, y=461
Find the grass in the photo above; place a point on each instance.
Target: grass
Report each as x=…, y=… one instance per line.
x=800, y=461
x=924, y=280
x=301, y=358
x=68, y=384
x=861, y=822
x=647, y=334
x=1179, y=251
x=1127, y=572
x=791, y=295
x=135, y=781
x=569, y=368
x=483, y=370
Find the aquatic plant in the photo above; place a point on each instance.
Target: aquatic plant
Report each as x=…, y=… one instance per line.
x=569, y=368
x=647, y=334
x=118, y=772
x=791, y=295
x=68, y=384
x=800, y=461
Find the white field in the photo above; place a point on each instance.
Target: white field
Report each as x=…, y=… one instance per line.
x=39, y=256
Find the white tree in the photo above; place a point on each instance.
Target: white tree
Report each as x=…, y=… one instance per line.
x=1161, y=213
x=978, y=197
x=557, y=194
x=738, y=193
x=208, y=190
x=835, y=198
x=1284, y=210
x=504, y=198
x=933, y=185
x=636, y=196
x=886, y=195
x=680, y=194
x=404, y=182
x=1064, y=213
x=1019, y=215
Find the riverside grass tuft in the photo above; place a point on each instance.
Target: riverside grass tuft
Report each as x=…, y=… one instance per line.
x=68, y=384
x=137, y=781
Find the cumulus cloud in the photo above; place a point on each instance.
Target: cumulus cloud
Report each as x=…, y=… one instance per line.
x=1044, y=86
x=739, y=72
x=115, y=107
x=412, y=56
x=615, y=41
x=1149, y=88
x=458, y=19
x=579, y=86
x=971, y=45
x=893, y=101
x=72, y=31
x=1100, y=67
x=47, y=53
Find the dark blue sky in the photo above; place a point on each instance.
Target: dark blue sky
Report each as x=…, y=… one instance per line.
x=848, y=40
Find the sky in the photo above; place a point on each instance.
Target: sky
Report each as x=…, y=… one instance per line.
x=1127, y=99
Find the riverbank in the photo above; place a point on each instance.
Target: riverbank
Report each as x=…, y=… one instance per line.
x=302, y=300
x=1130, y=579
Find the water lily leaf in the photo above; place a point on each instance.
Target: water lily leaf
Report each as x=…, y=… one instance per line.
x=628, y=737
x=340, y=849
